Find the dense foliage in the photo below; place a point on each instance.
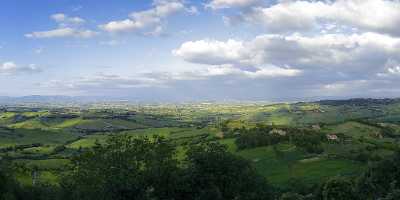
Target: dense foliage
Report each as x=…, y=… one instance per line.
x=129, y=168
x=306, y=139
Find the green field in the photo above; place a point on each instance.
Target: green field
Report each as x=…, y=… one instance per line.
x=45, y=139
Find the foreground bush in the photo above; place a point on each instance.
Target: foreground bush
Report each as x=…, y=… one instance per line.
x=148, y=169
x=129, y=168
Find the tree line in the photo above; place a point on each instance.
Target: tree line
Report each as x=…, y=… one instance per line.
x=148, y=168
x=308, y=140
x=126, y=168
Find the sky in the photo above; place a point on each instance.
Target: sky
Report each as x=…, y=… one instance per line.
x=183, y=50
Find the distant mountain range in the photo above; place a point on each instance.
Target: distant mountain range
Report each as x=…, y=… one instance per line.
x=42, y=99
x=5, y=100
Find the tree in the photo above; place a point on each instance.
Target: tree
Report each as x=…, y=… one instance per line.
x=309, y=141
x=129, y=168
x=338, y=188
x=8, y=186
x=394, y=194
x=123, y=168
x=380, y=178
x=213, y=173
x=291, y=196
x=289, y=158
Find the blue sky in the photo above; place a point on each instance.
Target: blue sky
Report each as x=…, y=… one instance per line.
x=200, y=50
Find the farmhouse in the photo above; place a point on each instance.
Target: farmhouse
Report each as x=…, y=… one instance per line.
x=316, y=127
x=332, y=137
x=376, y=135
x=220, y=135
x=277, y=131
x=236, y=133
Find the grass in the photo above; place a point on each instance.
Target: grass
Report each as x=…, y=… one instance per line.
x=88, y=141
x=47, y=164
x=31, y=136
x=102, y=124
x=149, y=132
x=44, y=177
x=29, y=124
x=40, y=150
x=169, y=133
x=320, y=170
x=299, y=165
x=166, y=120
x=353, y=129
x=230, y=143
x=68, y=123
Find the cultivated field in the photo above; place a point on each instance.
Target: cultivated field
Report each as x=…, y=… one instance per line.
x=43, y=139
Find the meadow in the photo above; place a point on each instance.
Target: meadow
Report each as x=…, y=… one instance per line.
x=44, y=139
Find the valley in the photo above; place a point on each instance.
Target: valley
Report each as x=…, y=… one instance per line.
x=306, y=142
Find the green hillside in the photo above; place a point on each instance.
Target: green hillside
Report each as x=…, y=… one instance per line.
x=46, y=139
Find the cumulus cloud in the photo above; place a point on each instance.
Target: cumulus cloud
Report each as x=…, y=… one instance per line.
x=232, y=57
x=220, y=4
x=211, y=52
x=148, y=22
x=310, y=48
x=358, y=54
x=67, y=27
x=381, y=16
x=10, y=68
x=336, y=64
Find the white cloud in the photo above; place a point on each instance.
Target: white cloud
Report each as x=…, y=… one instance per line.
x=211, y=52
x=164, y=79
x=336, y=51
x=76, y=8
x=229, y=58
x=230, y=71
x=273, y=72
x=111, y=43
x=67, y=27
x=344, y=87
x=65, y=20
x=371, y=88
x=311, y=48
x=104, y=81
x=38, y=50
x=336, y=64
x=361, y=53
x=371, y=15
x=392, y=68
x=220, y=4
x=119, y=26
x=10, y=68
x=192, y=10
x=149, y=21
x=62, y=32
